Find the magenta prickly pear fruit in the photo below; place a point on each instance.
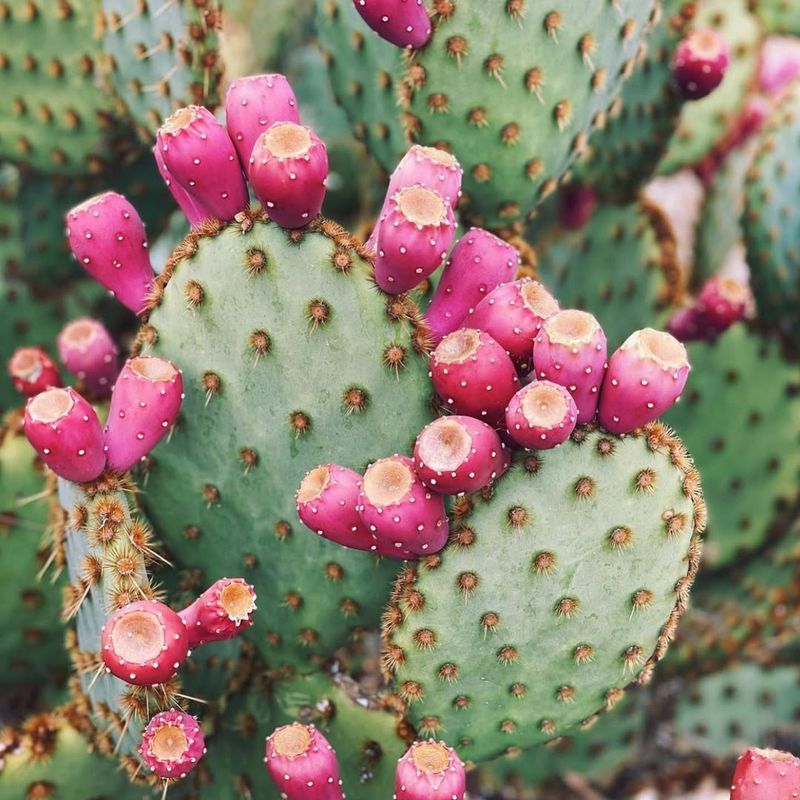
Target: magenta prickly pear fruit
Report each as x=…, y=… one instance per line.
x=223, y=611
x=32, y=371
x=89, y=353
x=428, y=166
x=144, y=406
x=192, y=210
x=474, y=375
x=404, y=23
x=107, y=237
x=200, y=156
x=571, y=350
x=645, y=377
x=720, y=303
x=327, y=503
x=700, y=63
x=172, y=744
x=65, y=431
x=779, y=63
x=412, y=238
x=288, y=170
x=302, y=764
x=766, y=775
x=513, y=315
x=541, y=415
x=478, y=264
x=430, y=771
x=252, y=105
x=406, y=518
x=576, y=205
x=144, y=643
x=453, y=455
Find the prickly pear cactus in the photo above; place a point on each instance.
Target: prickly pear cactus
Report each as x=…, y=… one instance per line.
x=513, y=91
x=251, y=311
x=557, y=595
x=31, y=633
x=770, y=226
x=778, y=16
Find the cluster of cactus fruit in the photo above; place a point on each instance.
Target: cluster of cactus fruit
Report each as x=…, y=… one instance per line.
x=458, y=388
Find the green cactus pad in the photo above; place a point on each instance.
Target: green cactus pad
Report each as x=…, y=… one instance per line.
x=771, y=227
x=514, y=94
x=704, y=122
x=31, y=633
x=624, y=153
x=164, y=56
x=54, y=115
x=558, y=590
x=778, y=16
x=636, y=240
x=740, y=417
x=291, y=357
x=609, y=743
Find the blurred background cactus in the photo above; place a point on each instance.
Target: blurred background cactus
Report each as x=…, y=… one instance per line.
x=493, y=624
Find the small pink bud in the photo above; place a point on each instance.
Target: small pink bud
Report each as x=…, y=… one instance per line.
x=172, y=744
x=430, y=771
x=107, y=238
x=404, y=23
x=32, y=371
x=779, y=63
x=252, y=105
x=89, y=353
x=288, y=171
x=453, y=455
x=413, y=238
x=144, y=406
x=65, y=431
x=541, y=415
x=406, y=518
x=327, y=503
x=144, y=643
x=200, y=156
x=223, y=611
x=645, y=378
x=302, y=764
x=576, y=205
x=700, y=63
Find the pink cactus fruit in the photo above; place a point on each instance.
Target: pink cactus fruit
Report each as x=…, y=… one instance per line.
x=404, y=23
x=302, y=764
x=407, y=518
x=172, y=744
x=88, y=352
x=200, y=156
x=32, y=371
x=144, y=406
x=576, y=205
x=423, y=166
x=65, y=431
x=453, y=455
x=541, y=415
x=252, y=105
x=288, y=171
x=571, y=350
x=223, y=611
x=413, y=238
x=192, y=210
x=107, y=238
x=430, y=771
x=779, y=63
x=700, y=63
x=513, y=315
x=478, y=264
x=645, y=378
x=720, y=303
x=766, y=775
x=144, y=643
x=327, y=503
x=474, y=375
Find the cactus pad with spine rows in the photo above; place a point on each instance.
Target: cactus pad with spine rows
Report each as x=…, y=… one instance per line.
x=559, y=588
x=291, y=357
